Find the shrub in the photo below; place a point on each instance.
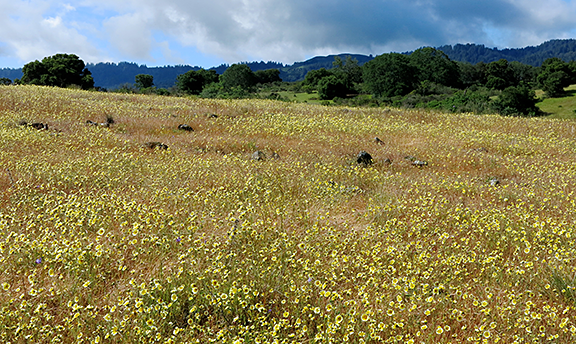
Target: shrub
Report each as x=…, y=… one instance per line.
x=330, y=87
x=518, y=100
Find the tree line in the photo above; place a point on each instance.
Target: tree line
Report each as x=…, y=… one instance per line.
x=425, y=78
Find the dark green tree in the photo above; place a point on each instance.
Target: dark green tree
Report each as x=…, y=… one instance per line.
x=555, y=75
x=267, y=76
x=499, y=75
x=193, y=82
x=517, y=100
x=314, y=76
x=524, y=73
x=390, y=75
x=60, y=70
x=348, y=71
x=238, y=75
x=331, y=87
x=435, y=66
x=553, y=83
x=471, y=74
x=144, y=81
x=5, y=81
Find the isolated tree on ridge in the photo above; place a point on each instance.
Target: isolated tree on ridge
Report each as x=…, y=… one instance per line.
x=60, y=70
x=238, y=75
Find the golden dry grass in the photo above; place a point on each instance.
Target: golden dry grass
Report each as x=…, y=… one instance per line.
x=102, y=240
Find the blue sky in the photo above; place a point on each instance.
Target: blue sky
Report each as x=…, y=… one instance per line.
x=208, y=33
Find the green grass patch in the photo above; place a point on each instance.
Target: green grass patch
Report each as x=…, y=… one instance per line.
x=563, y=107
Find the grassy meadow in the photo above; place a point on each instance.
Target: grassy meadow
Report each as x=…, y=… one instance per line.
x=103, y=240
x=561, y=107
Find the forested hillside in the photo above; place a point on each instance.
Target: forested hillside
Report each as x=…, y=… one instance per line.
x=298, y=70
x=564, y=49
x=112, y=75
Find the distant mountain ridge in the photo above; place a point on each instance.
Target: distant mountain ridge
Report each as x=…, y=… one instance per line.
x=112, y=75
x=564, y=49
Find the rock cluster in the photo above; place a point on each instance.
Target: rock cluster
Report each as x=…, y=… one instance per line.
x=37, y=125
x=364, y=158
x=105, y=124
x=416, y=162
x=155, y=145
x=185, y=127
x=258, y=156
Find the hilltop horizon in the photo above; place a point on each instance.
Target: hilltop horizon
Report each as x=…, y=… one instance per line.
x=282, y=64
x=114, y=74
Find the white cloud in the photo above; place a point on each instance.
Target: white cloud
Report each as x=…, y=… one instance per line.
x=68, y=7
x=52, y=22
x=289, y=30
x=31, y=30
x=279, y=30
x=130, y=34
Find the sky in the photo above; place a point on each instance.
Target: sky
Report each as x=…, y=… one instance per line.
x=209, y=33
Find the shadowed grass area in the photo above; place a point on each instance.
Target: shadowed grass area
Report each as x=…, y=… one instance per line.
x=103, y=239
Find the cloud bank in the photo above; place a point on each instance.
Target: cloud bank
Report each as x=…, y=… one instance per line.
x=179, y=31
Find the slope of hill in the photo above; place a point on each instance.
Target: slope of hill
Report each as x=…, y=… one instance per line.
x=103, y=239
x=561, y=107
x=564, y=49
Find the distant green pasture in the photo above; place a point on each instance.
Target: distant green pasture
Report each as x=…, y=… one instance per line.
x=564, y=107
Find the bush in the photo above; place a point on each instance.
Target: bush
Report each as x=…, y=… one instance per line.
x=212, y=90
x=330, y=87
x=126, y=88
x=192, y=82
x=519, y=100
x=144, y=81
x=162, y=92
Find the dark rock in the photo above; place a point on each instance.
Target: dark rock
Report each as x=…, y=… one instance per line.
x=185, y=127
x=494, y=182
x=154, y=145
x=415, y=161
x=378, y=141
x=212, y=115
x=258, y=156
x=364, y=158
x=39, y=126
x=387, y=161
x=419, y=163
x=104, y=125
x=275, y=156
x=22, y=123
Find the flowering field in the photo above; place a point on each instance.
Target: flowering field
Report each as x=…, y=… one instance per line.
x=103, y=240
